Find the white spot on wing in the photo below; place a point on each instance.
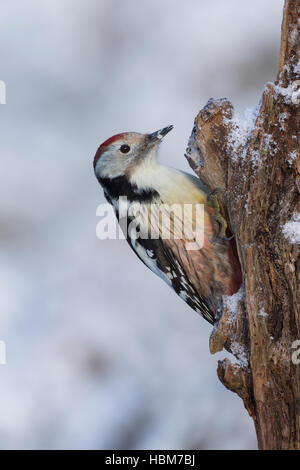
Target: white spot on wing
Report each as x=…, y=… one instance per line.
x=150, y=261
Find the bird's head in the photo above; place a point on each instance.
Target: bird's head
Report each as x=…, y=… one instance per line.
x=121, y=154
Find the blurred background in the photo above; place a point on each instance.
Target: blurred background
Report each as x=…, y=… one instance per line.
x=101, y=354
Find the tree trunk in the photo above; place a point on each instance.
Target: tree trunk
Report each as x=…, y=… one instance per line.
x=256, y=163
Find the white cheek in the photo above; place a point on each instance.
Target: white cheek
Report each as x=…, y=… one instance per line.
x=111, y=165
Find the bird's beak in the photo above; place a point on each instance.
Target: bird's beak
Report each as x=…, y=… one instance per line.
x=158, y=135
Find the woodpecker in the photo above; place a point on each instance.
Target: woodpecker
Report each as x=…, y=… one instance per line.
x=126, y=165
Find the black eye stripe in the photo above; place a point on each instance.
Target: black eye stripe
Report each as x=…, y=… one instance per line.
x=124, y=148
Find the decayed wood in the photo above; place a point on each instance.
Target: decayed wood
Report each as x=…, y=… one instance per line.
x=261, y=186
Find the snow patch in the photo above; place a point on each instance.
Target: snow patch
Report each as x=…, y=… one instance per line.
x=240, y=353
x=254, y=155
x=282, y=117
x=292, y=157
x=297, y=67
x=286, y=93
x=262, y=313
x=270, y=145
x=291, y=229
x=242, y=127
x=231, y=303
x=294, y=36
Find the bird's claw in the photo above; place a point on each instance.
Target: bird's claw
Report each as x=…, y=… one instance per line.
x=214, y=192
x=227, y=239
x=213, y=201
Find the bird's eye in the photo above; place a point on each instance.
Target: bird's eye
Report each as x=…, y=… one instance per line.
x=124, y=148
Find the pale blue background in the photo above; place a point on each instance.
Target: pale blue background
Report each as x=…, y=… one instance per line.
x=101, y=353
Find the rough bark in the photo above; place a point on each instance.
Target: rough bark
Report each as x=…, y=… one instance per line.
x=259, y=170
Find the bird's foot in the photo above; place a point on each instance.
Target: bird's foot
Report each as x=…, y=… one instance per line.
x=212, y=200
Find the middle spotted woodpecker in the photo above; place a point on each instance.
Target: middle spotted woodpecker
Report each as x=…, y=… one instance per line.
x=186, y=248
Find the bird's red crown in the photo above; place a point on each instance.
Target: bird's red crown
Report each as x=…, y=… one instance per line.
x=106, y=144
